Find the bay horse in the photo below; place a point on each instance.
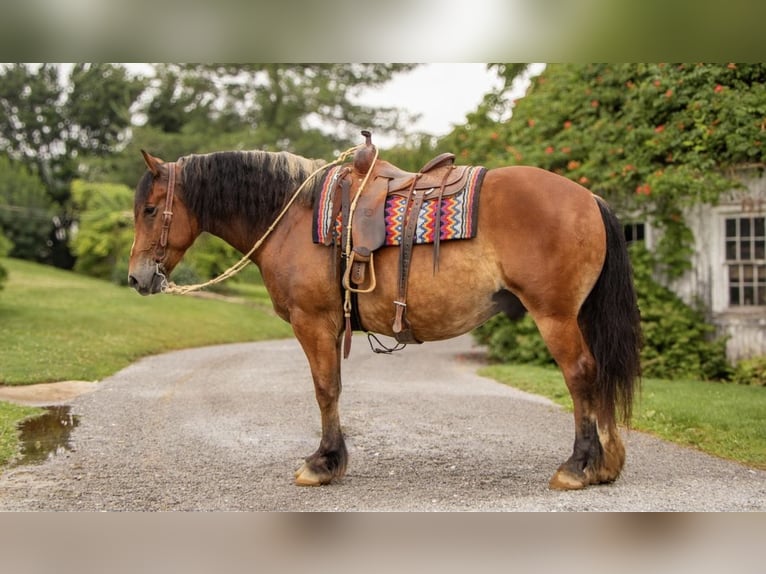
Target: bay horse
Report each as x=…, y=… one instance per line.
x=544, y=245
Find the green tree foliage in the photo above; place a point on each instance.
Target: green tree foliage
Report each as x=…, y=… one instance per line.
x=26, y=211
x=651, y=138
x=53, y=116
x=105, y=231
x=307, y=109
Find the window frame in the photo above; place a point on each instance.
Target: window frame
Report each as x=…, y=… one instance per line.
x=740, y=258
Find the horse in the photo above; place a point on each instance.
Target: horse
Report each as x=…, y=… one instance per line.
x=544, y=245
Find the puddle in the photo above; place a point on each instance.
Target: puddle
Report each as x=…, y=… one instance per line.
x=45, y=436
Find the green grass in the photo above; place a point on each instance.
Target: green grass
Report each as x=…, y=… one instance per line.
x=725, y=420
x=57, y=325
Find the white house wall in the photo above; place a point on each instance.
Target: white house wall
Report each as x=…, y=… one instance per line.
x=707, y=282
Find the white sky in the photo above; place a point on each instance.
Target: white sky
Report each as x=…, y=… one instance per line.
x=442, y=93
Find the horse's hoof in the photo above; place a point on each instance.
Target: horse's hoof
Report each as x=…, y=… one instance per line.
x=565, y=480
x=304, y=476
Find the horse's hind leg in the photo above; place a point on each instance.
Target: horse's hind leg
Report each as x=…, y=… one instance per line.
x=322, y=349
x=598, y=455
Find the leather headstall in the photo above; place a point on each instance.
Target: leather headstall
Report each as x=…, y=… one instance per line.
x=167, y=214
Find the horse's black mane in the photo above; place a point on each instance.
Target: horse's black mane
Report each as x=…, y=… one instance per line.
x=255, y=184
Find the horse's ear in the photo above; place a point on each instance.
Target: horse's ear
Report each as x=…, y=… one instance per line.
x=153, y=163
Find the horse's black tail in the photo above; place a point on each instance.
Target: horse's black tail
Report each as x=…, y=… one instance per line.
x=611, y=323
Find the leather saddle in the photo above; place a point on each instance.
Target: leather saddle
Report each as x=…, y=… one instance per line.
x=437, y=179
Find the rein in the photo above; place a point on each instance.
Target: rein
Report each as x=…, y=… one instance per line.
x=169, y=287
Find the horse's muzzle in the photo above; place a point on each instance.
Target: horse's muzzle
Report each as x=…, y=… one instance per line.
x=148, y=281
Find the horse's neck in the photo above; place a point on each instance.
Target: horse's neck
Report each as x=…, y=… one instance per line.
x=236, y=233
x=243, y=235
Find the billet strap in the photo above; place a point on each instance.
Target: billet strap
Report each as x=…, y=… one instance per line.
x=401, y=326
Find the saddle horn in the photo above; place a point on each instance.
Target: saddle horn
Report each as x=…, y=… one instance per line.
x=363, y=157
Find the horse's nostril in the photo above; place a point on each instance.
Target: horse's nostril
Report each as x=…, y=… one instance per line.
x=132, y=281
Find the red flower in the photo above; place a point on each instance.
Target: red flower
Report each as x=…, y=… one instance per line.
x=573, y=164
x=567, y=125
x=659, y=129
x=493, y=135
x=583, y=180
x=718, y=89
x=669, y=93
x=594, y=103
x=644, y=189
x=549, y=149
x=657, y=83
x=531, y=123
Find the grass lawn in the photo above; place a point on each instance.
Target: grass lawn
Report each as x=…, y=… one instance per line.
x=58, y=325
x=725, y=420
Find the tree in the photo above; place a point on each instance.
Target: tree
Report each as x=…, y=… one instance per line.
x=105, y=229
x=26, y=211
x=53, y=116
x=651, y=138
x=306, y=108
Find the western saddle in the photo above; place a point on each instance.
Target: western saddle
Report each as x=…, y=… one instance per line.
x=363, y=213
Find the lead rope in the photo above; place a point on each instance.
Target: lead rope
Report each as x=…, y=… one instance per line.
x=172, y=288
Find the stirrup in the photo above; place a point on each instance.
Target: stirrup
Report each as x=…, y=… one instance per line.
x=347, y=276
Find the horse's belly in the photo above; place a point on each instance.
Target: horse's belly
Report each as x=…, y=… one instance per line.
x=448, y=303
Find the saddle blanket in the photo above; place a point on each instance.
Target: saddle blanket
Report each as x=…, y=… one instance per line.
x=458, y=212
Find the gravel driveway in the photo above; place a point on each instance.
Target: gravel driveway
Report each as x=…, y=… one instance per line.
x=223, y=428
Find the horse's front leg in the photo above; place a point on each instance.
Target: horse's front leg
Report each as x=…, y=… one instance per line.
x=322, y=347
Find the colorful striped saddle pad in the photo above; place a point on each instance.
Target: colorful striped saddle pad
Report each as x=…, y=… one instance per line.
x=458, y=212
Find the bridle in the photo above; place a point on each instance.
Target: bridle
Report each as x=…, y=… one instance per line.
x=167, y=214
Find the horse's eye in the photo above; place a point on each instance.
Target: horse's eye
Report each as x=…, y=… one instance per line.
x=150, y=210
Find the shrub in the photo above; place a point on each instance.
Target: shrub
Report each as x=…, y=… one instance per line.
x=750, y=372
x=510, y=341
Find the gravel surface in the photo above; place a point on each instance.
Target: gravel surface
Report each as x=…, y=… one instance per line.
x=223, y=428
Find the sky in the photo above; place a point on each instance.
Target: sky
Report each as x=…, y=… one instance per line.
x=441, y=93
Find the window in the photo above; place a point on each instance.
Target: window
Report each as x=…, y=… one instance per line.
x=634, y=232
x=746, y=259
